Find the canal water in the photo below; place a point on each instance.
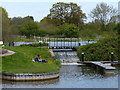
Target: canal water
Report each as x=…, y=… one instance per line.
x=71, y=77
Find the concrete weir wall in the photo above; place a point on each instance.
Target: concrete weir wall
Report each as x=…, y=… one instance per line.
x=29, y=76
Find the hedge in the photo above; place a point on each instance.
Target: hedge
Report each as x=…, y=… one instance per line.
x=35, y=44
x=100, y=51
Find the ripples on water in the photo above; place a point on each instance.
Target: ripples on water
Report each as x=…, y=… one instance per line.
x=71, y=77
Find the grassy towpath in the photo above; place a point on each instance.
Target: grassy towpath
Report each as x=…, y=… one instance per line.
x=21, y=61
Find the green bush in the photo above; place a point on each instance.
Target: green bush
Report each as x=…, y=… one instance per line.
x=57, y=62
x=100, y=51
x=35, y=44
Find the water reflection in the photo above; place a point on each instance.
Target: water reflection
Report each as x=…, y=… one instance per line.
x=79, y=72
x=33, y=83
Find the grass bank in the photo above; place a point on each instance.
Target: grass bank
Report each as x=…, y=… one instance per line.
x=21, y=61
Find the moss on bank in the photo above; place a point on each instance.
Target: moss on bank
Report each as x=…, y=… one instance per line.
x=21, y=61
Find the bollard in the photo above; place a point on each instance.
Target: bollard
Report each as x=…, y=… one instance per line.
x=82, y=57
x=112, y=57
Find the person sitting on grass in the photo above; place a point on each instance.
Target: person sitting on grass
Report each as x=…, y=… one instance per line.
x=37, y=58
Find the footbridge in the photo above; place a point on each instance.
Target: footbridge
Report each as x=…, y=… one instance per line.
x=66, y=43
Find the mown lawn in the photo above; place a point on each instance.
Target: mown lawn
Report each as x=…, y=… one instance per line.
x=21, y=61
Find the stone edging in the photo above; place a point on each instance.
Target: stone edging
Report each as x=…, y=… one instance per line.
x=29, y=76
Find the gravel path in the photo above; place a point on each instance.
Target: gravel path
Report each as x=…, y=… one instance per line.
x=8, y=53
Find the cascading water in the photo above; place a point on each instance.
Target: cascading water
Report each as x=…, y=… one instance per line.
x=67, y=56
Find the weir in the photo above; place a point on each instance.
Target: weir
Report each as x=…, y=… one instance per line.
x=66, y=56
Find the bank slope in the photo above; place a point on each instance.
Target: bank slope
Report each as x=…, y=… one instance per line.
x=21, y=61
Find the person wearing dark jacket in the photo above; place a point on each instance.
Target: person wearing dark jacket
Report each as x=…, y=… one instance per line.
x=37, y=58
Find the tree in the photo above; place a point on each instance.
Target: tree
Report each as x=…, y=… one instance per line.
x=103, y=14
x=62, y=13
x=5, y=28
x=20, y=20
x=68, y=30
x=47, y=28
x=29, y=29
x=17, y=22
x=117, y=28
x=7, y=31
x=0, y=24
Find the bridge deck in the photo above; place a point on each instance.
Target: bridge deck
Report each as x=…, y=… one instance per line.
x=62, y=47
x=107, y=67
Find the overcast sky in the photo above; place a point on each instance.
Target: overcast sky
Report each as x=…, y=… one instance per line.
x=40, y=8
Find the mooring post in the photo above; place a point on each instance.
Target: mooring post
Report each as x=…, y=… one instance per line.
x=57, y=42
x=64, y=42
x=54, y=42
x=61, y=42
x=112, y=57
x=82, y=57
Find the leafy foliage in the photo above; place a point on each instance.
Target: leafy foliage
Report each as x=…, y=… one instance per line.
x=7, y=30
x=62, y=13
x=20, y=20
x=5, y=25
x=35, y=44
x=103, y=15
x=100, y=51
x=68, y=30
x=29, y=29
x=117, y=28
x=46, y=28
